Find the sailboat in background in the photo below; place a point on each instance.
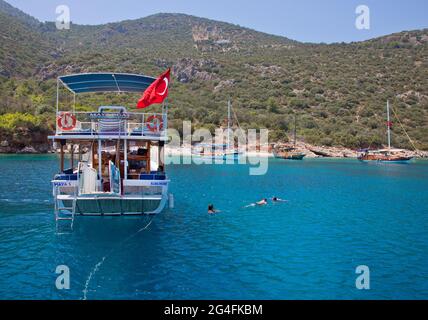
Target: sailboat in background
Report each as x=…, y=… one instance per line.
x=389, y=154
x=289, y=152
x=226, y=151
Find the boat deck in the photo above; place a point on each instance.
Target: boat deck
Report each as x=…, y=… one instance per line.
x=111, y=125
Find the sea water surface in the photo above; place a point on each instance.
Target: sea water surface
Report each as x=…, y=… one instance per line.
x=340, y=214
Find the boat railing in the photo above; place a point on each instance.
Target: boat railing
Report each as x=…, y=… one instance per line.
x=112, y=124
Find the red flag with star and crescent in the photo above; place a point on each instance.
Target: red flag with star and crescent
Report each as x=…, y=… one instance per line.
x=156, y=92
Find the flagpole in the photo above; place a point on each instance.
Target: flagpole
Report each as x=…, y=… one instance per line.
x=165, y=111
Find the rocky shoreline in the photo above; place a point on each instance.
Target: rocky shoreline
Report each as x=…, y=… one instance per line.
x=310, y=151
x=38, y=148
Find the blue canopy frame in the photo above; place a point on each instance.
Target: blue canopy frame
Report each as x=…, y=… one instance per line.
x=106, y=82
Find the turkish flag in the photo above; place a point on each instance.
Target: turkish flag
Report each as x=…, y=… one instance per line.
x=156, y=92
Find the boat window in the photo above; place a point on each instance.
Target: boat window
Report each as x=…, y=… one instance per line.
x=138, y=159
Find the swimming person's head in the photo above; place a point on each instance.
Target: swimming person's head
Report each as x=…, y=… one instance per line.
x=210, y=208
x=275, y=199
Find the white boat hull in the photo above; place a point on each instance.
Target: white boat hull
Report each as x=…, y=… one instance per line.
x=117, y=206
x=99, y=204
x=227, y=156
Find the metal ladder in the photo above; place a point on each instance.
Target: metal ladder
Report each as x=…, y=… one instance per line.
x=59, y=210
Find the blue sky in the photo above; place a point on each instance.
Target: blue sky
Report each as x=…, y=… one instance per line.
x=303, y=20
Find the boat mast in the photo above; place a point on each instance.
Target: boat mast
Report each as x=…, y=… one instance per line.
x=228, y=124
x=295, y=125
x=388, y=124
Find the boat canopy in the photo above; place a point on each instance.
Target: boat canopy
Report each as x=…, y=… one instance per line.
x=106, y=82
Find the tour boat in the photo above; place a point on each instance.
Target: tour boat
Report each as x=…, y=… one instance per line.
x=385, y=155
x=116, y=164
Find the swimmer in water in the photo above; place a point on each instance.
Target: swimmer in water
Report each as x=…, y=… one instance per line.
x=276, y=199
x=211, y=209
x=262, y=202
x=259, y=203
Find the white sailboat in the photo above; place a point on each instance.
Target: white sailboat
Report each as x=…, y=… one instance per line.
x=225, y=151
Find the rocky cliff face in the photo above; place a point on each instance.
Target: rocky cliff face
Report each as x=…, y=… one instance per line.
x=33, y=148
x=23, y=140
x=186, y=70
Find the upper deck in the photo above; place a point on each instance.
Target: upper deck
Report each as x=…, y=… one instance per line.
x=118, y=123
x=108, y=122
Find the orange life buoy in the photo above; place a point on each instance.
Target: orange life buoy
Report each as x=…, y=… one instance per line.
x=154, y=123
x=66, y=121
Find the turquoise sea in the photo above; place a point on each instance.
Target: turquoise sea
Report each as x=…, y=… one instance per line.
x=340, y=214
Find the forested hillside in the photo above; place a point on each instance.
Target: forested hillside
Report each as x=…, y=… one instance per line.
x=338, y=91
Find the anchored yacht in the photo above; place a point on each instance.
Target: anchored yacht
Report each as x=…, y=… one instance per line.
x=289, y=152
x=389, y=154
x=223, y=151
